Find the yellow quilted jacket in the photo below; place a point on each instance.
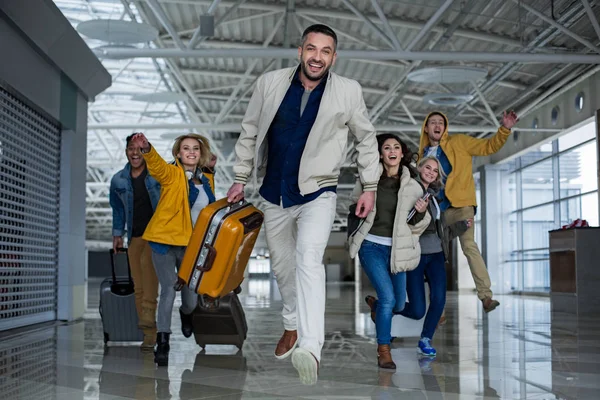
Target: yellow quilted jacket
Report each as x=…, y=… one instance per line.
x=171, y=223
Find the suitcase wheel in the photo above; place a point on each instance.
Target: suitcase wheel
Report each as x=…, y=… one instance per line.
x=237, y=290
x=106, y=339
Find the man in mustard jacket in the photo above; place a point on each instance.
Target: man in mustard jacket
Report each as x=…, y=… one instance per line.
x=458, y=201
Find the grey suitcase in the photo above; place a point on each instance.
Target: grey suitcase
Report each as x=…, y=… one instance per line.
x=117, y=306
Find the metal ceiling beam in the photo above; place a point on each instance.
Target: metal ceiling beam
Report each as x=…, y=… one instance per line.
x=340, y=33
x=561, y=86
x=174, y=69
x=369, y=23
x=407, y=111
x=556, y=58
x=591, y=16
x=570, y=16
x=231, y=127
x=533, y=88
x=348, y=16
x=398, y=89
x=188, y=32
x=555, y=91
x=164, y=20
x=227, y=107
x=430, y=24
x=485, y=104
x=558, y=26
x=290, y=11
x=224, y=97
x=196, y=39
x=386, y=25
x=238, y=75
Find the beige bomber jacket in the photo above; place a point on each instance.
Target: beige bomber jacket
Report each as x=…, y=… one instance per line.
x=406, y=250
x=342, y=109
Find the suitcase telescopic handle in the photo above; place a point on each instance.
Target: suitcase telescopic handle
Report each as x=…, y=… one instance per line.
x=112, y=263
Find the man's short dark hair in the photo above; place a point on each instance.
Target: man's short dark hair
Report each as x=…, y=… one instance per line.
x=128, y=139
x=320, y=28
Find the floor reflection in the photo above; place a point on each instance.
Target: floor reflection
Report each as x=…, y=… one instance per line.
x=520, y=351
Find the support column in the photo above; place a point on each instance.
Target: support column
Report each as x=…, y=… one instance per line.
x=72, y=299
x=597, y=115
x=494, y=208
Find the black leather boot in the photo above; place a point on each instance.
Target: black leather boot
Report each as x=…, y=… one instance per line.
x=161, y=354
x=186, y=324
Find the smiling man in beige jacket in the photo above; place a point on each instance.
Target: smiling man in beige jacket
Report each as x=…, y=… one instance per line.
x=295, y=132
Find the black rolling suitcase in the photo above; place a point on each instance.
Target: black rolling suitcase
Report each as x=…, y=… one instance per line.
x=117, y=306
x=220, y=321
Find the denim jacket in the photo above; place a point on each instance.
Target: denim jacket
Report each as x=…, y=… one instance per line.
x=121, y=199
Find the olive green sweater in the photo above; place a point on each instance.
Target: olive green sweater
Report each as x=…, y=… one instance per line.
x=387, y=199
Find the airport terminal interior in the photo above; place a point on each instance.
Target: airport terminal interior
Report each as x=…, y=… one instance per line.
x=78, y=76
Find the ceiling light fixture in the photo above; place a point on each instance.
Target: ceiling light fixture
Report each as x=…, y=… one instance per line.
x=158, y=114
x=449, y=74
x=117, y=31
x=446, y=99
x=160, y=97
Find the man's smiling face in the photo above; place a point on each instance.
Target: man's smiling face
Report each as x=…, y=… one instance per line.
x=436, y=124
x=317, y=55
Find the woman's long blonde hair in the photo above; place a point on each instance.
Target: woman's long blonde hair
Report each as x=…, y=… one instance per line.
x=439, y=182
x=205, y=153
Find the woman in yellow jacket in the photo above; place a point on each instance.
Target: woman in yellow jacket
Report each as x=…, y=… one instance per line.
x=185, y=191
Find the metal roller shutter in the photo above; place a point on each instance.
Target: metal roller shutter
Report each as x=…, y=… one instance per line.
x=29, y=210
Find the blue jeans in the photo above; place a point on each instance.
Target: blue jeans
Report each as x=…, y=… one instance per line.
x=390, y=288
x=432, y=266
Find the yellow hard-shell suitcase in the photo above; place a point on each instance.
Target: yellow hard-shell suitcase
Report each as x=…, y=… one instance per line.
x=220, y=247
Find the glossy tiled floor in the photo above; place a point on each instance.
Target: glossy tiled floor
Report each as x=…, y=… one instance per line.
x=520, y=351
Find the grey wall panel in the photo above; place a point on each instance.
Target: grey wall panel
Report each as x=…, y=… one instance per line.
x=28, y=72
x=48, y=29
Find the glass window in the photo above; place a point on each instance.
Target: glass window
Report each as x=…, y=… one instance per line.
x=537, y=184
x=511, y=165
x=512, y=190
x=576, y=137
x=536, y=224
x=584, y=207
x=543, y=151
x=536, y=275
x=526, y=247
x=513, y=237
x=577, y=170
x=554, y=115
x=579, y=103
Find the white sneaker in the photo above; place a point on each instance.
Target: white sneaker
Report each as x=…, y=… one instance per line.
x=307, y=366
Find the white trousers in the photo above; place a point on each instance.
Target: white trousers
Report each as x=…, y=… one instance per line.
x=297, y=237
